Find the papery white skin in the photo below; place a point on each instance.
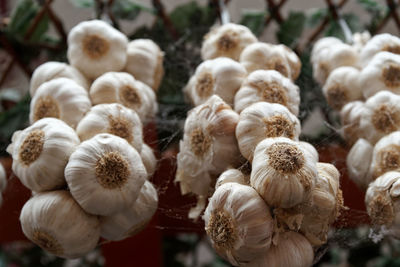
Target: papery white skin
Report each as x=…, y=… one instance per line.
x=149, y=159
x=251, y=222
x=264, y=56
x=256, y=85
x=360, y=39
x=252, y=126
x=311, y=149
x=358, y=162
x=292, y=250
x=81, y=177
x=231, y=176
x=113, y=59
x=292, y=58
x=145, y=62
x=3, y=178
x=71, y=98
x=47, y=171
x=378, y=43
x=281, y=189
x=234, y=35
x=132, y=220
x=330, y=53
x=52, y=70
x=386, y=188
x=342, y=87
x=380, y=116
x=350, y=116
x=226, y=77
x=99, y=119
x=382, y=161
x=372, y=77
x=107, y=89
x=57, y=214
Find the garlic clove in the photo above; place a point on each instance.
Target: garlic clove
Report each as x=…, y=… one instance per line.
x=55, y=222
x=231, y=176
x=386, y=155
x=350, y=117
x=41, y=152
x=358, y=162
x=263, y=120
x=269, y=86
x=379, y=43
x=149, y=159
x=132, y=220
x=239, y=223
x=145, y=62
x=52, y=70
x=121, y=87
x=220, y=76
x=113, y=119
x=227, y=40
x=95, y=47
x=283, y=172
x=110, y=169
x=60, y=98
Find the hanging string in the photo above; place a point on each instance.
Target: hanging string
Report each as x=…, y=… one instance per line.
x=225, y=17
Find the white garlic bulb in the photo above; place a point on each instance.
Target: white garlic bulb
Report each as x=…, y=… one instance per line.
x=380, y=116
x=360, y=39
x=350, y=116
x=227, y=40
x=239, y=223
x=264, y=56
x=382, y=202
x=113, y=119
x=55, y=222
x=283, y=172
x=110, y=169
x=60, y=98
x=95, y=47
x=149, y=159
x=292, y=250
x=342, y=87
x=358, y=162
x=221, y=76
x=311, y=149
x=145, y=62
x=231, y=176
x=262, y=120
x=51, y=70
x=330, y=53
x=386, y=155
x=292, y=59
x=381, y=73
x=121, y=87
x=133, y=219
x=40, y=153
x=269, y=86
x=379, y=43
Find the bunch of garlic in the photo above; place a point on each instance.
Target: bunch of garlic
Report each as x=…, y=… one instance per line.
x=3, y=181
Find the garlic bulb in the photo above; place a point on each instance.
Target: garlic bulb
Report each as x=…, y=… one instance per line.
x=113, y=119
x=227, y=40
x=110, y=169
x=55, y=222
x=358, y=162
x=311, y=150
x=60, y=98
x=263, y=56
x=121, y=87
x=239, y=223
x=262, y=120
x=330, y=53
x=350, y=116
x=149, y=159
x=382, y=201
x=132, y=220
x=221, y=76
x=381, y=73
x=292, y=250
x=292, y=59
x=283, y=172
x=145, y=62
x=269, y=86
x=40, y=153
x=381, y=116
x=94, y=47
x=342, y=87
x=52, y=70
x=379, y=43
x=360, y=39
x=231, y=176
x=386, y=155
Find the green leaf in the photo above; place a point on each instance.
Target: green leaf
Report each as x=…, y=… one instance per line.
x=22, y=16
x=291, y=29
x=316, y=17
x=41, y=29
x=352, y=21
x=83, y=3
x=129, y=10
x=254, y=21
